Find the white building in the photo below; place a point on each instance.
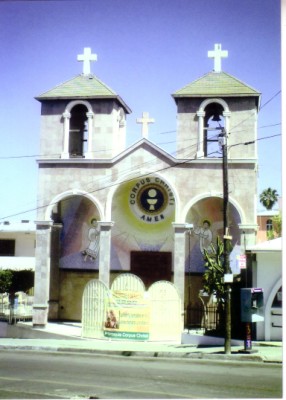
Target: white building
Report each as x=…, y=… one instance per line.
x=267, y=274
x=17, y=245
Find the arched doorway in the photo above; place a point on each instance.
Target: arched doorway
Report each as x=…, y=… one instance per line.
x=206, y=217
x=75, y=243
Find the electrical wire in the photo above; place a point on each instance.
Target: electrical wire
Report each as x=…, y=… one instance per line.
x=245, y=143
x=111, y=184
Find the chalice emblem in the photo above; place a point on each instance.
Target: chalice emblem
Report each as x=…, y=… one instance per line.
x=151, y=200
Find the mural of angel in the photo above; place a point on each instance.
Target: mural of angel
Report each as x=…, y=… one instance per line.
x=94, y=238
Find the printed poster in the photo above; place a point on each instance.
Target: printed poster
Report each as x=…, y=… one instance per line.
x=127, y=316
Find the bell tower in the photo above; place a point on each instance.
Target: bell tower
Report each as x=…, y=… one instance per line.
x=82, y=118
x=216, y=100
x=83, y=126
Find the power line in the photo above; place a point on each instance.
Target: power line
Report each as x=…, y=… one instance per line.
x=34, y=209
x=160, y=133
x=118, y=182
x=268, y=101
x=124, y=172
x=251, y=115
x=98, y=151
x=253, y=141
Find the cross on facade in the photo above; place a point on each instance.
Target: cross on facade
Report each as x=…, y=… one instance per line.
x=86, y=58
x=217, y=54
x=145, y=120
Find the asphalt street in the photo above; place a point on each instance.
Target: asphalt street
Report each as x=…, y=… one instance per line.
x=35, y=374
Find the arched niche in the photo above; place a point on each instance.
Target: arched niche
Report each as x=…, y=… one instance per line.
x=78, y=218
x=206, y=216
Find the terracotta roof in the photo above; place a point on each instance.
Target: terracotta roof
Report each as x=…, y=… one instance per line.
x=82, y=86
x=216, y=84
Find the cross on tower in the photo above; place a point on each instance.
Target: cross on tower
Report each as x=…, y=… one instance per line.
x=145, y=120
x=217, y=54
x=86, y=57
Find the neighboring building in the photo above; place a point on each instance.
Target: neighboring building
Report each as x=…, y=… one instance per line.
x=105, y=209
x=265, y=223
x=17, y=245
x=267, y=274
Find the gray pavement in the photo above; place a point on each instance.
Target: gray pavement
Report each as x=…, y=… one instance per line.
x=67, y=338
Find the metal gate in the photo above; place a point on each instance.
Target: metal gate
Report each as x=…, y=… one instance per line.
x=94, y=299
x=128, y=282
x=165, y=317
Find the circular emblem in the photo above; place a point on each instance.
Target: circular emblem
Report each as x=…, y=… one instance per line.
x=151, y=200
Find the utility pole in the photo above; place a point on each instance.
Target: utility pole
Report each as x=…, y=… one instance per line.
x=226, y=238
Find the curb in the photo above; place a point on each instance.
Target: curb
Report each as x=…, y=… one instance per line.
x=145, y=354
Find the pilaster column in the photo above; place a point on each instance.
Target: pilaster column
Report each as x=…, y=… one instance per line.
x=54, y=271
x=66, y=116
x=226, y=115
x=42, y=273
x=105, y=251
x=89, y=139
x=179, y=260
x=200, y=152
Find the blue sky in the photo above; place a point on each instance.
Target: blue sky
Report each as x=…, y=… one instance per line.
x=147, y=49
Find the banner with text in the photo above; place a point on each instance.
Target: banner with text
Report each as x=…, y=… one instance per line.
x=127, y=316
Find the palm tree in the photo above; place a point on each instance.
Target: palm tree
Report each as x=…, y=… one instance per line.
x=268, y=198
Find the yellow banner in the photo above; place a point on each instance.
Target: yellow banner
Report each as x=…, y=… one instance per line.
x=127, y=316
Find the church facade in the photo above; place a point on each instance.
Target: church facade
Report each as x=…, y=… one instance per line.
x=105, y=209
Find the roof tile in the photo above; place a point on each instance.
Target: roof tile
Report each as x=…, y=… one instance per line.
x=82, y=86
x=79, y=86
x=216, y=84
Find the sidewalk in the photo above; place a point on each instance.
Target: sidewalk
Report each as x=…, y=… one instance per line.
x=67, y=338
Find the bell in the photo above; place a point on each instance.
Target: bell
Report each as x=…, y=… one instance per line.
x=216, y=118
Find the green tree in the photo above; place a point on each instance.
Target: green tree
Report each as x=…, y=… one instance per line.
x=6, y=278
x=22, y=281
x=15, y=281
x=268, y=198
x=213, y=277
x=277, y=228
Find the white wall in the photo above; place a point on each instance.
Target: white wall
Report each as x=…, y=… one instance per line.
x=24, y=257
x=269, y=277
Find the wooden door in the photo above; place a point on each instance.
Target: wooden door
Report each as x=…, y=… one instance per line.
x=151, y=266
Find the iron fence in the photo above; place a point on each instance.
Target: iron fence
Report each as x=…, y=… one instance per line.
x=199, y=317
x=20, y=310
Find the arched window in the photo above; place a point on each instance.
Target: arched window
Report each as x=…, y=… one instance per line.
x=213, y=124
x=269, y=225
x=78, y=131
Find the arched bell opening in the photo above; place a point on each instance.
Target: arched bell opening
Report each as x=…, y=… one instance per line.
x=78, y=131
x=213, y=125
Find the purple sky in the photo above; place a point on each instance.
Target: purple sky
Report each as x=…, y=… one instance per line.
x=146, y=49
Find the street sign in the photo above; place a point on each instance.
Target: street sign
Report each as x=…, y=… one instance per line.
x=242, y=261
